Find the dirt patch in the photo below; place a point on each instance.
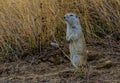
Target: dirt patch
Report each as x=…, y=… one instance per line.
x=53, y=67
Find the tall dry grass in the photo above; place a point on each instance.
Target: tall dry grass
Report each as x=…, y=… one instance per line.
x=29, y=24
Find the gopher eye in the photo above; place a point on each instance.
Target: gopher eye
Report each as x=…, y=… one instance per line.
x=71, y=15
x=76, y=16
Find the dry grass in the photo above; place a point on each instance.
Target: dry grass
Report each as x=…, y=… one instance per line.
x=28, y=24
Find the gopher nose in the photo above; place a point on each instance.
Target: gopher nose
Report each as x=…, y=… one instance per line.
x=64, y=17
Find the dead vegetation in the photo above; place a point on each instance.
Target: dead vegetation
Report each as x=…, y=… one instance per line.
x=28, y=26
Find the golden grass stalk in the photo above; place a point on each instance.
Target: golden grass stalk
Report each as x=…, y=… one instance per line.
x=29, y=24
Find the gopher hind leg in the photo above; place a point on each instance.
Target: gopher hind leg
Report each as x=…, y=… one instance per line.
x=75, y=61
x=78, y=64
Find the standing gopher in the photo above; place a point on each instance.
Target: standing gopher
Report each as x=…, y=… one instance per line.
x=75, y=37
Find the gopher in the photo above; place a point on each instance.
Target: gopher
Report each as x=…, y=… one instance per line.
x=75, y=37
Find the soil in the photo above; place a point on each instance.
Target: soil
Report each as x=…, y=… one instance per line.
x=50, y=65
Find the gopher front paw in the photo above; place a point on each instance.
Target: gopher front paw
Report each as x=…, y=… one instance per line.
x=68, y=41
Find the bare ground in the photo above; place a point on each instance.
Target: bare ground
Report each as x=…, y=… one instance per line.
x=51, y=66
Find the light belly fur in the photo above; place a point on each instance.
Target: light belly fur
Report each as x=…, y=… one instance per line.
x=77, y=52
